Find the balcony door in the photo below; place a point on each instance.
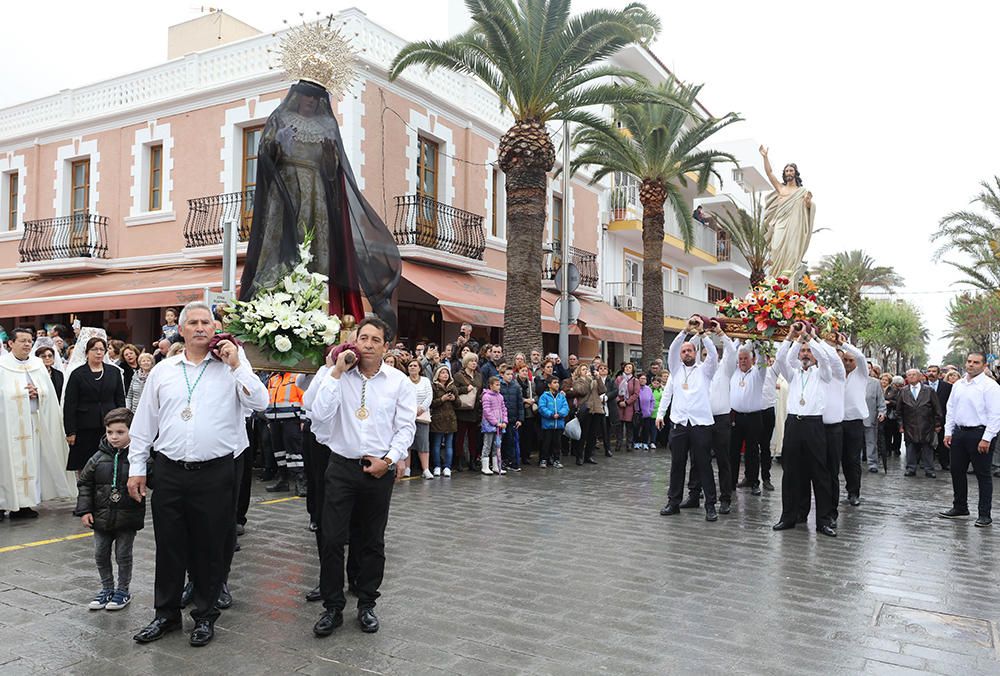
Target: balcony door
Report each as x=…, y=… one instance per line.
x=248, y=184
x=79, y=207
x=427, y=197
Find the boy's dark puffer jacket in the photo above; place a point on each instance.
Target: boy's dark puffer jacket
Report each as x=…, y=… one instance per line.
x=95, y=485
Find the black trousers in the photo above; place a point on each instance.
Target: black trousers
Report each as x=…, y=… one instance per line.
x=286, y=437
x=551, y=445
x=850, y=457
x=804, y=463
x=352, y=493
x=694, y=441
x=315, y=457
x=747, y=429
x=239, y=466
x=193, y=517
x=244, y=482
x=965, y=451
x=590, y=423
x=766, y=434
x=721, y=440
x=530, y=431
x=943, y=452
x=893, y=437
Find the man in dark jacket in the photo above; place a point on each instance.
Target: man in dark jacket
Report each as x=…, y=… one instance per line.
x=943, y=391
x=513, y=398
x=919, y=420
x=491, y=368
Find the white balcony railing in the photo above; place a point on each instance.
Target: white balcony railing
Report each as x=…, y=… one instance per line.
x=627, y=297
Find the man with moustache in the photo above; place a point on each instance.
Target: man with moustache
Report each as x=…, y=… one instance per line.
x=919, y=419
x=804, y=453
x=943, y=390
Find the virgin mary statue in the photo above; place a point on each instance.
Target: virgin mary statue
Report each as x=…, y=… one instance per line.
x=305, y=184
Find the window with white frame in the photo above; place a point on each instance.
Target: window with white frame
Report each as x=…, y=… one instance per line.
x=633, y=276
x=681, y=286
x=498, y=204
x=11, y=191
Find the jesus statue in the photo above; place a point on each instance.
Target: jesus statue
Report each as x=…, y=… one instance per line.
x=789, y=213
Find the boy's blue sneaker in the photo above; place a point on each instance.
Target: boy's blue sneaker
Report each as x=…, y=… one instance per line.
x=119, y=600
x=101, y=600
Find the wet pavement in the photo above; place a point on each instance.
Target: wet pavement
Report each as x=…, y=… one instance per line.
x=552, y=572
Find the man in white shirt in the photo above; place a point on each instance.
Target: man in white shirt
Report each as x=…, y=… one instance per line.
x=691, y=419
x=192, y=413
x=365, y=412
x=855, y=413
x=804, y=452
x=721, y=427
x=970, y=428
x=746, y=388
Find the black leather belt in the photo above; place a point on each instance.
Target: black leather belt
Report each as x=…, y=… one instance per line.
x=194, y=466
x=967, y=427
x=809, y=417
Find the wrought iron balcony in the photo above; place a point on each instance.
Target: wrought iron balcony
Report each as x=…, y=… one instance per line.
x=206, y=215
x=585, y=261
x=82, y=235
x=428, y=223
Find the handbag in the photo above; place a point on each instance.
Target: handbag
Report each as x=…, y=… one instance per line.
x=467, y=401
x=573, y=430
x=424, y=417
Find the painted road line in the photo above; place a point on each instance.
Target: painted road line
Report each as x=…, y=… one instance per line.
x=42, y=543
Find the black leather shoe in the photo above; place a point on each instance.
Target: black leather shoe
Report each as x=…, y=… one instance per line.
x=670, y=510
x=156, y=629
x=827, y=530
x=984, y=521
x=783, y=525
x=691, y=502
x=328, y=621
x=725, y=507
x=579, y=462
x=367, y=619
x=755, y=490
x=954, y=513
x=768, y=486
x=930, y=475
x=202, y=634
x=909, y=472
x=240, y=529
x=314, y=595
x=187, y=594
x=225, y=598
x=590, y=461
x=711, y=514
x=24, y=513
x=280, y=486
x=854, y=500
x=608, y=454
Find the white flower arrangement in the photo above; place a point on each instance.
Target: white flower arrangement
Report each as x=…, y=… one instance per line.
x=288, y=322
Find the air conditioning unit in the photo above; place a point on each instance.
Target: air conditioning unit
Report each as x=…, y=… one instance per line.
x=626, y=303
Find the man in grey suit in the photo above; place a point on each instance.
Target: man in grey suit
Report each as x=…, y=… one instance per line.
x=919, y=419
x=875, y=399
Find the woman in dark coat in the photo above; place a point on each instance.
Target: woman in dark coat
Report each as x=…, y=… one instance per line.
x=93, y=390
x=48, y=357
x=469, y=380
x=443, y=421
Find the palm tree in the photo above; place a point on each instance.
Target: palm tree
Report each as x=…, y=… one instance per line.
x=860, y=271
x=543, y=65
x=658, y=144
x=748, y=234
x=977, y=236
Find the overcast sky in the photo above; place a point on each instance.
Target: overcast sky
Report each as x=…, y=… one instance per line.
x=885, y=106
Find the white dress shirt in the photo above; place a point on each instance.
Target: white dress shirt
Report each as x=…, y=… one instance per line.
x=719, y=392
x=833, y=410
x=391, y=401
x=746, y=390
x=691, y=405
x=972, y=403
x=219, y=403
x=769, y=394
x=856, y=386
x=807, y=389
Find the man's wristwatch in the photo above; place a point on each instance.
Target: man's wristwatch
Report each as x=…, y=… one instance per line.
x=390, y=464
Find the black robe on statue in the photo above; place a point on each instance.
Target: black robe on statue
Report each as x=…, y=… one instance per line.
x=305, y=182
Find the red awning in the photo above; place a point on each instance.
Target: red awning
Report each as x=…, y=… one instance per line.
x=118, y=290
x=603, y=322
x=475, y=299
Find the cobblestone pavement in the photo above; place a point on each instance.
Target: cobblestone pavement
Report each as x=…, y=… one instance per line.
x=551, y=572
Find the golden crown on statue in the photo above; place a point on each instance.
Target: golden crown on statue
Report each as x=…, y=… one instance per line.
x=318, y=52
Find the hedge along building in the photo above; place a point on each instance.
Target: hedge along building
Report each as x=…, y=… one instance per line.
x=113, y=195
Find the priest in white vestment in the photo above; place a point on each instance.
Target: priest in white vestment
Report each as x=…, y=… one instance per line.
x=33, y=449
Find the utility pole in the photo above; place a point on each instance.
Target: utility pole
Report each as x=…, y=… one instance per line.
x=564, y=247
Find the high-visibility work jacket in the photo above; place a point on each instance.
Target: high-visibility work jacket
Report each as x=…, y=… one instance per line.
x=284, y=395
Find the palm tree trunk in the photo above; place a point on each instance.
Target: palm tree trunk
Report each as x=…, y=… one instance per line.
x=526, y=155
x=652, y=196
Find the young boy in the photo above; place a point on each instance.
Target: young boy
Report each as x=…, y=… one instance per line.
x=513, y=398
x=553, y=408
x=104, y=505
x=170, y=328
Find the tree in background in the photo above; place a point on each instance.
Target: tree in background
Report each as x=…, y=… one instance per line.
x=975, y=238
x=659, y=145
x=974, y=318
x=544, y=65
x=747, y=233
x=842, y=278
x=895, y=333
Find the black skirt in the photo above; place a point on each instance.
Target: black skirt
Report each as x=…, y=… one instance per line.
x=83, y=449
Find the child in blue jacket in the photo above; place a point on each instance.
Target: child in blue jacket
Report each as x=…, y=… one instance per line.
x=553, y=408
